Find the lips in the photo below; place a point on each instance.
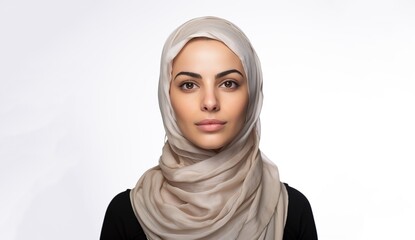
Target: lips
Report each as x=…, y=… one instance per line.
x=210, y=125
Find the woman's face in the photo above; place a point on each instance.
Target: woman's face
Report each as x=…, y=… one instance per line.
x=209, y=93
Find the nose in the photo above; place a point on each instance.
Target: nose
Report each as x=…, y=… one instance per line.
x=210, y=102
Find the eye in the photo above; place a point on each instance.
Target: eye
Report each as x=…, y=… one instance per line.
x=230, y=84
x=188, y=86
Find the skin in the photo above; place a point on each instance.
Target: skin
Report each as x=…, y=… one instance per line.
x=208, y=83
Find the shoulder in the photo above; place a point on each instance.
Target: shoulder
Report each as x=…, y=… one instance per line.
x=300, y=220
x=120, y=221
x=296, y=198
x=120, y=202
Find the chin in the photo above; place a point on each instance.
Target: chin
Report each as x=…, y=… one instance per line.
x=214, y=142
x=209, y=144
x=211, y=147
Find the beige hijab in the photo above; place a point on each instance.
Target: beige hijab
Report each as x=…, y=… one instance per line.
x=200, y=194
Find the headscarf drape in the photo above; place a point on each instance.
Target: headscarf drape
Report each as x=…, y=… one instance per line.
x=195, y=193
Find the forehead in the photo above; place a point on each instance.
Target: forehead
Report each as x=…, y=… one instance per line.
x=200, y=51
x=202, y=43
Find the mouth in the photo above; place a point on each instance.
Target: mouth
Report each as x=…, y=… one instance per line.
x=210, y=125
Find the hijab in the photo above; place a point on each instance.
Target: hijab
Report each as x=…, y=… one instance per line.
x=195, y=193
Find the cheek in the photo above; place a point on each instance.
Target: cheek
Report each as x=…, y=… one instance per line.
x=183, y=109
x=238, y=107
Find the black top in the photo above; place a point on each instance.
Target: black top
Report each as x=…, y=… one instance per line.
x=120, y=223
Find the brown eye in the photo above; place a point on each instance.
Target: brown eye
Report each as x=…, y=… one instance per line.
x=188, y=86
x=230, y=84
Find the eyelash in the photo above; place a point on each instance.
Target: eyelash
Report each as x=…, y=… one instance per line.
x=184, y=85
x=235, y=84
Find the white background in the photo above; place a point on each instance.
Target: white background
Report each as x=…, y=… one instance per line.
x=79, y=118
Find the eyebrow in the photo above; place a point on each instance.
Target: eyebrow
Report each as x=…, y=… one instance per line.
x=219, y=75
x=222, y=74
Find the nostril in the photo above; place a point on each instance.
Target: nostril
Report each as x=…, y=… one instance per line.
x=213, y=108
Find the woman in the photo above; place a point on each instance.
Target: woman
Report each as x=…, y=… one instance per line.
x=212, y=181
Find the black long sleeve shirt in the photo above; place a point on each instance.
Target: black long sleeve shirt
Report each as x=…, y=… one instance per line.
x=120, y=223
